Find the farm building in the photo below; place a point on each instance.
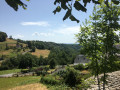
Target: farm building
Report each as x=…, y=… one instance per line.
x=81, y=59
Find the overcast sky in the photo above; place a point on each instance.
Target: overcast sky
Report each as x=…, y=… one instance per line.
x=39, y=23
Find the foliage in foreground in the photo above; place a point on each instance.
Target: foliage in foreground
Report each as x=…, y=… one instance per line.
x=98, y=39
x=69, y=78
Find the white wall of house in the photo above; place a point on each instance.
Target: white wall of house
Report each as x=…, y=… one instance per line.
x=81, y=59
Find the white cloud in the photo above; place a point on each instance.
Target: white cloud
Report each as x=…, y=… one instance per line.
x=35, y=34
x=41, y=23
x=68, y=30
x=18, y=36
x=62, y=31
x=46, y=34
x=42, y=34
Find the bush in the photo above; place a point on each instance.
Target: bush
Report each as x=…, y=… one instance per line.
x=117, y=65
x=43, y=73
x=49, y=80
x=4, y=67
x=79, y=67
x=61, y=73
x=25, y=70
x=71, y=77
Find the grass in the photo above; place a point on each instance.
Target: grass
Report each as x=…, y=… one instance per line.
x=34, y=86
x=39, y=53
x=9, y=71
x=6, y=52
x=10, y=53
x=7, y=83
x=9, y=41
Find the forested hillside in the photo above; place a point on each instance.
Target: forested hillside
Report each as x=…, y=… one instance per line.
x=22, y=54
x=62, y=53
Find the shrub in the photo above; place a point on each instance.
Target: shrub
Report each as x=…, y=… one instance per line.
x=117, y=65
x=71, y=77
x=4, y=67
x=43, y=73
x=79, y=67
x=24, y=70
x=61, y=73
x=49, y=80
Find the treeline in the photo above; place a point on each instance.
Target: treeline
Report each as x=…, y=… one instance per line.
x=49, y=45
x=62, y=53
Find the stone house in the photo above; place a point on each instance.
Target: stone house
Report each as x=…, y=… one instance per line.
x=81, y=59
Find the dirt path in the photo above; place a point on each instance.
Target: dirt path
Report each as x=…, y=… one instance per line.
x=36, y=86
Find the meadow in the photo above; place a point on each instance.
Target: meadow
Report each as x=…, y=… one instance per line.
x=7, y=83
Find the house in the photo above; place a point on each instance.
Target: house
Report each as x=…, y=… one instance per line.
x=81, y=59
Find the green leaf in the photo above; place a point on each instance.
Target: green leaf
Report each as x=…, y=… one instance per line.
x=116, y=2
x=73, y=19
x=106, y=2
x=68, y=13
x=58, y=9
x=85, y=2
x=100, y=1
x=79, y=6
x=15, y=3
x=63, y=4
x=96, y=2
x=56, y=1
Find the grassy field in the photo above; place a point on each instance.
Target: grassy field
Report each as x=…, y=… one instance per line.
x=35, y=86
x=7, y=83
x=6, y=52
x=39, y=53
x=9, y=41
x=9, y=71
x=9, y=53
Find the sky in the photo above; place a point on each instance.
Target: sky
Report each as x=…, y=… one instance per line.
x=38, y=22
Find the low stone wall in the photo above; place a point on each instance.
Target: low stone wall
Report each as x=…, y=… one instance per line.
x=113, y=82
x=17, y=75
